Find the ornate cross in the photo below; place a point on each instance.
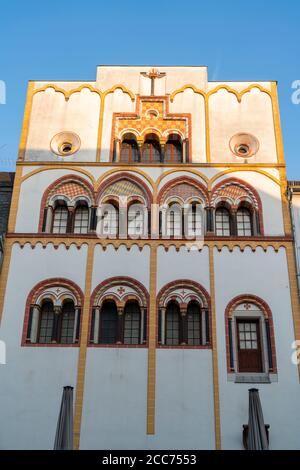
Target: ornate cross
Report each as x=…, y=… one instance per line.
x=121, y=290
x=153, y=74
x=247, y=306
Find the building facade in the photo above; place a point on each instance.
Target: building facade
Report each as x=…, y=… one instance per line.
x=149, y=264
x=6, y=188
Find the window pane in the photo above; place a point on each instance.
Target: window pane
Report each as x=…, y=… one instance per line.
x=132, y=318
x=135, y=220
x=108, y=323
x=243, y=222
x=172, y=324
x=68, y=323
x=222, y=222
x=81, y=220
x=60, y=219
x=194, y=324
x=46, y=323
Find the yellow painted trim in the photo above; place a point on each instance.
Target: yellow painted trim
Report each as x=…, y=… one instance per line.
x=61, y=166
x=4, y=273
x=48, y=239
x=239, y=94
x=176, y=170
x=68, y=93
x=277, y=124
x=15, y=200
x=83, y=347
x=126, y=168
x=256, y=170
x=151, y=385
x=26, y=121
x=292, y=270
x=101, y=118
x=156, y=165
x=216, y=392
x=285, y=203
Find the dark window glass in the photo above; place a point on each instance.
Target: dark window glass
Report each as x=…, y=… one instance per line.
x=194, y=324
x=172, y=324
x=222, y=222
x=67, y=323
x=129, y=151
x=46, y=322
x=151, y=151
x=108, y=323
x=173, y=150
x=132, y=323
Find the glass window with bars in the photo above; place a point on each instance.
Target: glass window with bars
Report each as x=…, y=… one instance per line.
x=81, y=219
x=151, y=151
x=247, y=335
x=46, y=323
x=174, y=221
x=132, y=323
x=67, y=323
x=108, y=323
x=222, y=222
x=173, y=150
x=135, y=220
x=244, y=225
x=109, y=222
x=172, y=324
x=194, y=220
x=129, y=151
x=194, y=324
x=60, y=219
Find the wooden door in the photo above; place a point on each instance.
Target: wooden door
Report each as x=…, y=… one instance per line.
x=249, y=346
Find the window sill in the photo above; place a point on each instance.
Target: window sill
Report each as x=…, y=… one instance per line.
x=252, y=378
x=50, y=345
x=183, y=346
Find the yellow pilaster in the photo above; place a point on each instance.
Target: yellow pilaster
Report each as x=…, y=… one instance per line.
x=83, y=346
x=152, y=344
x=214, y=350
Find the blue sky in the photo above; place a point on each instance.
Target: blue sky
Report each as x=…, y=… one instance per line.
x=65, y=40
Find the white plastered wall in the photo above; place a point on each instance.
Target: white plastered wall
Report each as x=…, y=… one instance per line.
x=266, y=276
x=33, y=378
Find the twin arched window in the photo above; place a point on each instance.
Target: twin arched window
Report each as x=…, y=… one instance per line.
x=151, y=151
x=64, y=219
x=52, y=324
x=179, y=221
x=184, y=326
x=112, y=325
x=240, y=223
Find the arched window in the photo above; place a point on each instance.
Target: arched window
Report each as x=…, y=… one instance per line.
x=129, y=149
x=132, y=323
x=244, y=222
x=194, y=324
x=81, y=218
x=108, y=323
x=151, y=152
x=46, y=324
x=60, y=218
x=67, y=322
x=173, y=149
x=108, y=220
x=174, y=221
x=250, y=338
x=222, y=222
x=193, y=223
x=172, y=324
x=136, y=220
